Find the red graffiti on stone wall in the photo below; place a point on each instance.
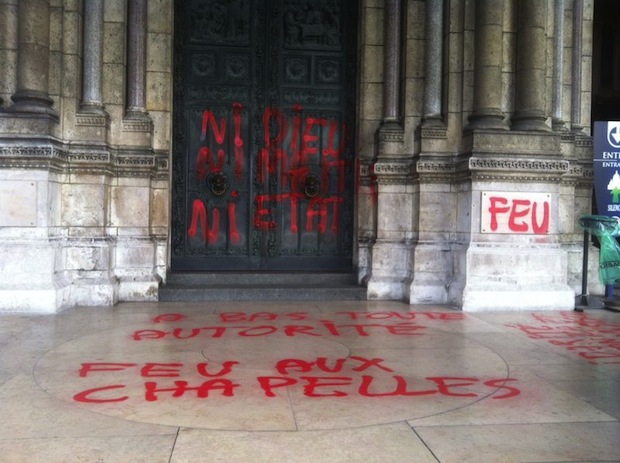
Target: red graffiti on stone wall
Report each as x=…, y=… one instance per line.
x=590, y=338
x=304, y=156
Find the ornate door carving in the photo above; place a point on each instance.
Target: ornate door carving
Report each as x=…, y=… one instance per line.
x=263, y=157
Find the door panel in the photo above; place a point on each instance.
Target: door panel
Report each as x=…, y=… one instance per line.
x=263, y=156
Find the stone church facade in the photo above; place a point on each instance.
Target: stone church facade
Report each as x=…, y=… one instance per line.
x=472, y=154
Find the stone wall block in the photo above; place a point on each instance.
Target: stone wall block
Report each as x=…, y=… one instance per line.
x=26, y=264
x=84, y=257
x=416, y=20
x=372, y=56
x=394, y=213
x=69, y=83
x=50, y=202
x=158, y=89
x=162, y=120
x=371, y=104
x=71, y=5
x=130, y=207
x=159, y=208
x=83, y=205
x=58, y=34
x=372, y=26
x=134, y=257
x=8, y=71
x=113, y=85
x=8, y=31
x=114, y=43
x=55, y=76
x=70, y=40
x=114, y=11
x=159, y=52
x=437, y=213
x=18, y=203
x=159, y=14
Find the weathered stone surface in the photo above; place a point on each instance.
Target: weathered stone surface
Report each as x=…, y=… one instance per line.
x=85, y=197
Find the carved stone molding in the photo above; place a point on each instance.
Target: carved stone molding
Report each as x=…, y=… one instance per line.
x=579, y=175
x=41, y=151
x=392, y=172
x=518, y=170
x=89, y=157
x=433, y=132
x=33, y=157
x=137, y=125
x=518, y=165
x=86, y=159
x=391, y=136
x=92, y=120
x=393, y=168
x=441, y=170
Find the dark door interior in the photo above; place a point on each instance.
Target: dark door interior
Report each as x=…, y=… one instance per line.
x=606, y=61
x=263, y=157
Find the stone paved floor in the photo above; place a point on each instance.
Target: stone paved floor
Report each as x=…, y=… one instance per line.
x=309, y=382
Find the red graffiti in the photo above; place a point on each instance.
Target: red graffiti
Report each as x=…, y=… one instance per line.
x=326, y=384
x=168, y=317
x=324, y=328
x=594, y=340
x=371, y=386
x=379, y=315
x=523, y=214
x=305, y=154
x=262, y=316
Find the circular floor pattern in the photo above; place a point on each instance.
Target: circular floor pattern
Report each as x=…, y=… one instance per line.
x=201, y=371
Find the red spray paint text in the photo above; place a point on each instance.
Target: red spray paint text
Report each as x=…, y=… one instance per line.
x=303, y=153
x=594, y=340
x=314, y=379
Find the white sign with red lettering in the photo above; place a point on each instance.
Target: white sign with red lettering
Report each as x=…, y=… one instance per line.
x=515, y=212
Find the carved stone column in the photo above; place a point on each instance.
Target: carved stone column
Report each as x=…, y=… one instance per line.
x=137, y=124
x=92, y=78
x=530, y=112
x=488, y=59
x=576, y=125
x=32, y=92
x=391, y=64
x=8, y=49
x=391, y=252
x=433, y=63
x=136, y=59
x=558, y=65
x=391, y=129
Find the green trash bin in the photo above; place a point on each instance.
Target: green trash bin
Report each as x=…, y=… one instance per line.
x=606, y=229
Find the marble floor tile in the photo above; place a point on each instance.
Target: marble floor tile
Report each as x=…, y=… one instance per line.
x=316, y=381
x=28, y=412
x=114, y=449
x=535, y=443
x=395, y=443
x=537, y=401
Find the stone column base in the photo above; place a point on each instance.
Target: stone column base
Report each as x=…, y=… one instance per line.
x=46, y=299
x=94, y=292
x=139, y=290
x=390, y=271
x=431, y=274
x=525, y=278
x=479, y=298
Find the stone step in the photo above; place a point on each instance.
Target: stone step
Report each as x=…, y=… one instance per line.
x=247, y=286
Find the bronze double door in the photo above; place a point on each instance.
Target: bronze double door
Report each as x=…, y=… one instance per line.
x=263, y=154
